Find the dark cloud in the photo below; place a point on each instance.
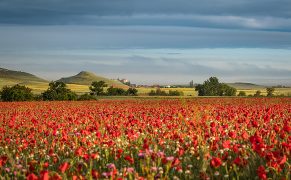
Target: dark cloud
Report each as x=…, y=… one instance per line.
x=207, y=13
x=148, y=37
x=36, y=34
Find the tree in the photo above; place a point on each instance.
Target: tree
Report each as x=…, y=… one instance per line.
x=201, y=90
x=258, y=93
x=152, y=93
x=157, y=92
x=16, y=93
x=132, y=92
x=111, y=91
x=226, y=90
x=86, y=97
x=270, y=91
x=58, y=91
x=242, y=93
x=212, y=87
x=175, y=93
x=128, y=83
x=96, y=88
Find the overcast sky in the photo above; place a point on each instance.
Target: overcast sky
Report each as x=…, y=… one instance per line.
x=152, y=41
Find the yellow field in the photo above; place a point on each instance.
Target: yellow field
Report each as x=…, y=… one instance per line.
x=192, y=92
x=278, y=91
x=39, y=87
x=186, y=91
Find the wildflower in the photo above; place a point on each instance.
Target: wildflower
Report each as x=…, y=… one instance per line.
x=31, y=176
x=170, y=158
x=129, y=159
x=154, y=169
x=130, y=170
x=262, y=172
x=44, y=175
x=141, y=155
x=63, y=167
x=106, y=174
x=111, y=166
x=94, y=174
x=215, y=162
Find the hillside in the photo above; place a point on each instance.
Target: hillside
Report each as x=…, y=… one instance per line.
x=86, y=78
x=242, y=85
x=10, y=77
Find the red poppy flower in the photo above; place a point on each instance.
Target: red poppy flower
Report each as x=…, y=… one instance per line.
x=63, y=167
x=215, y=162
x=262, y=172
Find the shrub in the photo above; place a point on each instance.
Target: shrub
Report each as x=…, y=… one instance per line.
x=158, y=92
x=86, y=97
x=111, y=91
x=270, y=91
x=175, y=93
x=131, y=92
x=242, y=93
x=97, y=88
x=16, y=93
x=257, y=94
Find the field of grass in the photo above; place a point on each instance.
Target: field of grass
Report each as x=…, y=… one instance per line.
x=187, y=91
x=278, y=91
x=39, y=87
x=192, y=92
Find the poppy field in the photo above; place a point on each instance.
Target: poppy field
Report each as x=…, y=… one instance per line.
x=199, y=138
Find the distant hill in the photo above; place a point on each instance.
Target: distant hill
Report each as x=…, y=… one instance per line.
x=10, y=77
x=243, y=85
x=86, y=78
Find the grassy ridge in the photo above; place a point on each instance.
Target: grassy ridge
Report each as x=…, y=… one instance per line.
x=86, y=78
x=18, y=76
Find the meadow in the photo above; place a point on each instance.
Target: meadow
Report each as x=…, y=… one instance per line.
x=39, y=87
x=197, y=138
x=192, y=92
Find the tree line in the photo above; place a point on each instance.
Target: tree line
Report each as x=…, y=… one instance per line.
x=58, y=91
x=212, y=87
x=159, y=92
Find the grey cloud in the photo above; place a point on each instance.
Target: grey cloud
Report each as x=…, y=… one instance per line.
x=88, y=37
x=250, y=14
x=194, y=20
